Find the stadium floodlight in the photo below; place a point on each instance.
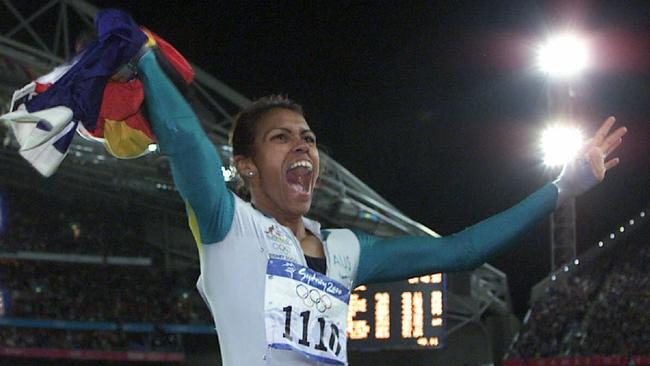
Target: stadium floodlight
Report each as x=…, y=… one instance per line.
x=563, y=56
x=560, y=144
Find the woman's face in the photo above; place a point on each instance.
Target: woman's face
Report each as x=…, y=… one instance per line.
x=286, y=160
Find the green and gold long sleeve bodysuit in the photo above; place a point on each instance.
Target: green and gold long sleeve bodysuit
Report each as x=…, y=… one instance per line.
x=251, y=266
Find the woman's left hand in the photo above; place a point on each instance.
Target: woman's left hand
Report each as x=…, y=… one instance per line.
x=589, y=167
x=601, y=145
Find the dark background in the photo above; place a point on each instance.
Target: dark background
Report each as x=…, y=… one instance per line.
x=434, y=104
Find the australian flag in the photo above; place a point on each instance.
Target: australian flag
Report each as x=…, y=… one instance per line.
x=86, y=95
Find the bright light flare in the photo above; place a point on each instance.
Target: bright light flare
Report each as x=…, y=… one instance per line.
x=560, y=145
x=228, y=173
x=563, y=56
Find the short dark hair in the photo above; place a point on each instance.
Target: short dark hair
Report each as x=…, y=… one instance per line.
x=242, y=133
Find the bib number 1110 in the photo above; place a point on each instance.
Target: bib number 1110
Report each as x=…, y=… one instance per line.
x=334, y=341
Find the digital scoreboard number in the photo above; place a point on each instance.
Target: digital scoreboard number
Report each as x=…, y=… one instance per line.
x=398, y=315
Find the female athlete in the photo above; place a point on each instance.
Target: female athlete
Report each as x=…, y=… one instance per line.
x=276, y=283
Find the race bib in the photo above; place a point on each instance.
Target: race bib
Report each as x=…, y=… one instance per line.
x=305, y=311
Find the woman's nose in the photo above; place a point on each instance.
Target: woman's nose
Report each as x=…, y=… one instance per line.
x=301, y=146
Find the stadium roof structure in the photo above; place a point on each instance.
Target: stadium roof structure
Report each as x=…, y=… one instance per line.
x=29, y=48
x=38, y=36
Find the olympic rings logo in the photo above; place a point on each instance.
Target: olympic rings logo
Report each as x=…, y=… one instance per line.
x=312, y=297
x=281, y=247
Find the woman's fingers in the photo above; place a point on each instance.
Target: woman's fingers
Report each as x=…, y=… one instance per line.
x=601, y=145
x=612, y=141
x=602, y=132
x=612, y=163
x=608, y=150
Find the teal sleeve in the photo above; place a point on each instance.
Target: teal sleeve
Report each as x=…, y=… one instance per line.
x=196, y=166
x=383, y=260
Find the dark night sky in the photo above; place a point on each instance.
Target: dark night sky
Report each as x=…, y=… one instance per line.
x=434, y=104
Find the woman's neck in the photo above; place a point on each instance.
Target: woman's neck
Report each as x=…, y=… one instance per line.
x=296, y=226
x=293, y=222
x=310, y=244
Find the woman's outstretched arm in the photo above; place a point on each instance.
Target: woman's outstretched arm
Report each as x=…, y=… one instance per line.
x=393, y=259
x=196, y=166
x=399, y=258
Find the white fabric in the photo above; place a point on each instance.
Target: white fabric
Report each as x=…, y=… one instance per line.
x=233, y=281
x=46, y=158
x=35, y=129
x=43, y=135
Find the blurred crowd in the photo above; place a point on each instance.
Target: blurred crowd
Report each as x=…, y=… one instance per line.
x=101, y=293
x=38, y=222
x=12, y=337
x=69, y=291
x=600, y=309
x=92, y=293
x=619, y=321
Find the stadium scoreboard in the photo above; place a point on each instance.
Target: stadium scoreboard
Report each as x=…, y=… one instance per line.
x=398, y=315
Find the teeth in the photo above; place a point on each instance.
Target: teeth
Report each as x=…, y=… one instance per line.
x=301, y=163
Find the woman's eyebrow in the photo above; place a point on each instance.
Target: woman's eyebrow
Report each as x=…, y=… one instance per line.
x=288, y=130
x=275, y=129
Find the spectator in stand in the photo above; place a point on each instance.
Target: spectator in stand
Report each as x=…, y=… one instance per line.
x=558, y=314
x=599, y=311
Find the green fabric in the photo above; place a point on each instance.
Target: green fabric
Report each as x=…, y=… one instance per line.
x=395, y=259
x=196, y=166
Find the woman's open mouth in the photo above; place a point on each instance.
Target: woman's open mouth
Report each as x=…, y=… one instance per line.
x=299, y=176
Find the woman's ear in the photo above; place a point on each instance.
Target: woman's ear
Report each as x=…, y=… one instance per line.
x=245, y=166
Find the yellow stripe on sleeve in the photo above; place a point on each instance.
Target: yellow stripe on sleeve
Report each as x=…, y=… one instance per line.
x=194, y=227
